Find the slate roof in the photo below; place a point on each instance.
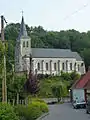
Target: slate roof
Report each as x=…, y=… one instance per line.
x=23, y=31
x=54, y=53
x=77, y=56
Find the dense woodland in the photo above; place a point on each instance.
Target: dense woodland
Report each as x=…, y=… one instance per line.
x=69, y=39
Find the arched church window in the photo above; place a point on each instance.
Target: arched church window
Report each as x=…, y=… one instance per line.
x=55, y=66
x=70, y=66
x=75, y=66
x=27, y=44
x=62, y=66
x=38, y=66
x=82, y=64
x=46, y=66
x=58, y=65
x=66, y=65
x=24, y=44
x=78, y=67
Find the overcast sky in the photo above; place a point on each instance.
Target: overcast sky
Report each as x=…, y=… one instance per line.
x=51, y=14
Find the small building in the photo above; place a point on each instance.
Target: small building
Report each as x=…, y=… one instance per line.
x=81, y=88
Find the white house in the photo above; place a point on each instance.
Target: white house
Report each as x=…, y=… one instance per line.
x=44, y=60
x=81, y=88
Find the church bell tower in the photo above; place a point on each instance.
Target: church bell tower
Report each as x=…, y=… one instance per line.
x=22, y=49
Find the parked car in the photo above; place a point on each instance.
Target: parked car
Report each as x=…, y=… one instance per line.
x=88, y=107
x=79, y=104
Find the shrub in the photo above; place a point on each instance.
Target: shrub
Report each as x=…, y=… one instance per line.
x=66, y=76
x=32, y=111
x=38, y=100
x=75, y=76
x=7, y=112
x=43, y=107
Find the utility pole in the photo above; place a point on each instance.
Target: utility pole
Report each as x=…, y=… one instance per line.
x=13, y=71
x=4, y=86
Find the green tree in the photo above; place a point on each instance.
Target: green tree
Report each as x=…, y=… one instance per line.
x=86, y=55
x=59, y=91
x=15, y=85
x=66, y=76
x=11, y=31
x=74, y=76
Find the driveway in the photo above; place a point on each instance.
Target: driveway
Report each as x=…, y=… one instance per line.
x=66, y=112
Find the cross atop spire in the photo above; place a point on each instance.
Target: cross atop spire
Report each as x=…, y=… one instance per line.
x=22, y=12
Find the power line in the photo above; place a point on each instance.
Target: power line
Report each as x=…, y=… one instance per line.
x=78, y=10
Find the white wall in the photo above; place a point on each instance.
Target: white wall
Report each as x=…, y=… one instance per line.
x=55, y=60
x=78, y=93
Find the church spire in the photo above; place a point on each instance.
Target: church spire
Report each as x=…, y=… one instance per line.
x=23, y=31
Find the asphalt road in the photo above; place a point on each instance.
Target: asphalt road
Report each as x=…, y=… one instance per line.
x=66, y=112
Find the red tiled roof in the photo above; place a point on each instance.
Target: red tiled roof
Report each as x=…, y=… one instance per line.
x=87, y=86
x=76, y=82
x=84, y=80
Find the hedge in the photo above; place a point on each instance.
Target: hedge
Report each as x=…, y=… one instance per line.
x=7, y=112
x=32, y=111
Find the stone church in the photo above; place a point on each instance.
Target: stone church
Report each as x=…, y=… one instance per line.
x=44, y=60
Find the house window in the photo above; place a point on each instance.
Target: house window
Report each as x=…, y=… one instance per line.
x=24, y=44
x=70, y=66
x=46, y=66
x=62, y=66
x=27, y=44
x=38, y=66
x=55, y=66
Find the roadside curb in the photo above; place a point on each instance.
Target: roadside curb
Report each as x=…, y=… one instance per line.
x=44, y=115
